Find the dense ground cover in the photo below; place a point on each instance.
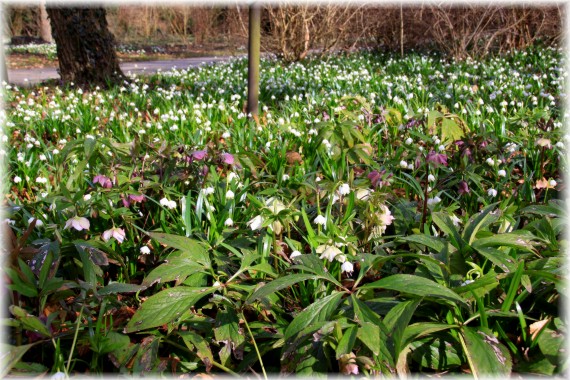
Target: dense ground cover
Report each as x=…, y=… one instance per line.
x=382, y=215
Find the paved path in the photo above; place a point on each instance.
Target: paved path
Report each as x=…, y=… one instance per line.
x=28, y=77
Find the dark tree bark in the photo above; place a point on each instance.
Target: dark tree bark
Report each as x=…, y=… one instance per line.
x=85, y=46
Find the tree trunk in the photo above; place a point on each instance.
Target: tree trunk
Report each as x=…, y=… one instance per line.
x=253, y=59
x=85, y=46
x=45, y=27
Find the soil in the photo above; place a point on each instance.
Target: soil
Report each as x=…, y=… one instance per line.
x=152, y=53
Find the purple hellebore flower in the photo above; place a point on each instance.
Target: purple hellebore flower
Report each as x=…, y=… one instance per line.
x=104, y=181
x=437, y=158
x=228, y=158
x=132, y=198
x=463, y=188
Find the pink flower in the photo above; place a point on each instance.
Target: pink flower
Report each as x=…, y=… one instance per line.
x=437, y=158
x=132, y=198
x=198, y=155
x=117, y=233
x=463, y=188
x=78, y=222
x=228, y=158
x=103, y=181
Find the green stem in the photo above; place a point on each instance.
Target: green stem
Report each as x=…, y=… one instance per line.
x=255, y=345
x=74, y=340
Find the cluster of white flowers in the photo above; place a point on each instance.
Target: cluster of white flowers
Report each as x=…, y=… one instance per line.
x=165, y=202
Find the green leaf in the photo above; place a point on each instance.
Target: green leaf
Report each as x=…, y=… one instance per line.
x=480, y=221
x=396, y=322
x=450, y=130
x=29, y=322
x=227, y=331
x=11, y=355
x=195, y=250
x=119, y=287
x=444, y=222
x=165, y=306
x=111, y=342
x=416, y=286
x=278, y=284
x=346, y=343
x=320, y=310
x=513, y=240
x=372, y=332
x=480, y=287
x=423, y=329
x=497, y=257
x=176, y=269
x=485, y=354
x=202, y=347
x=429, y=241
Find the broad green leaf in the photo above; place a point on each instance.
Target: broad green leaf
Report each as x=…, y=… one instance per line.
x=176, y=269
x=480, y=287
x=416, y=286
x=165, y=306
x=429, y=241
x=29, y=322
x=450, y=130
x=11, y=355
x=18, y=285
x=485, y=354
x=444, y=222
x=514, y=240
x=423, y=329
x=194, y=248
x=396, y=322
x=436, y=353
x=372, y=332
x=318, y=311
x=111, y=342
x=480, y=221
x=201, y=345
x=497, y=257
x=346, y=343
x=119, y=287
x=227, y=330
x=312, y=264
x=433, y=116
x=278, y=284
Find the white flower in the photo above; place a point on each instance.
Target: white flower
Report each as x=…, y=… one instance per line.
x=455, y=220
x=77, y=222
x=386, y=217
x=431, y=178
x=41, y=180
x=552, y=183
x=329, y=252
x=492, y=193
x=167, y=203
x=39, y=223
x=433, y=201
x=86, y=197
x=490, y=161
x=17, y=179
x=403, y=164
x=255, y=223
x=230, y=194
x=344, y=189
x=347, y=267
x=409, y=140
x=229, y=222
x=117, y=233
x=295, y=254
x=502, y=173
x=321, y=220
x=208, y=190
x=58, y=376
x=145, y=250
x=232, y=176
x=285, y=177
